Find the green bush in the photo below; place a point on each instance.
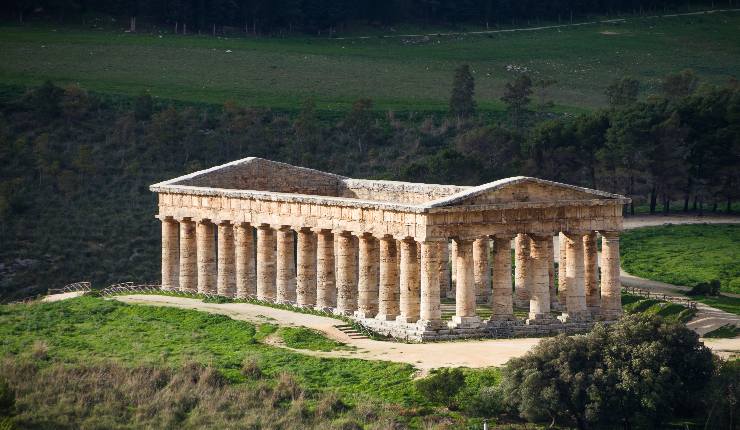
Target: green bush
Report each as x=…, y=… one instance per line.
x=442, y=386
x=710, y=288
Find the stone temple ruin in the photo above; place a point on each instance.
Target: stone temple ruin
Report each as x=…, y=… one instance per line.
x=388, y=253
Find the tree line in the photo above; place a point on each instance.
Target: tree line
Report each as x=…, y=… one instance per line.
x=278, y=16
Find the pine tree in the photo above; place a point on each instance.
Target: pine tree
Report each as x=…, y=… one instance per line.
x=462, y=104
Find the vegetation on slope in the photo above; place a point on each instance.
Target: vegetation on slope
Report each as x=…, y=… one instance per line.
x=684, y=254
x=398, y=74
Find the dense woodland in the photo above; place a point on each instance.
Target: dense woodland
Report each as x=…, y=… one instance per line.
x=329, y=16
x=75, y=204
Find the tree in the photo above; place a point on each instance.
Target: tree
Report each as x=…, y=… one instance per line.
x=679, y=85
x=516, y=96
x=623, y=92
x=462, y=104
x=723, y=400
x=359, y=123
x=640, y=371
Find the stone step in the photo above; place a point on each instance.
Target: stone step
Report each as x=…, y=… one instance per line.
x=350, y=331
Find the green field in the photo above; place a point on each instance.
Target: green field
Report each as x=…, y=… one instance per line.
x=684, y=254
x=399, y=74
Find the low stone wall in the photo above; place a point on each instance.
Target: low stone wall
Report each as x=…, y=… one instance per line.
x=416, y=332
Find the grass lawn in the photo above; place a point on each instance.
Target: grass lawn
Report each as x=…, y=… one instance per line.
x=727, y=304
x=685, y=255
x=728, y=331
x=397, y=74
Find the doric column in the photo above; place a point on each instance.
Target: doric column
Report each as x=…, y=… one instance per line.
x=431, y=271
x=388, y=295
x=226, y=283
x=503, y=303
x=346, y=267
x=554, y=304
x=188, y=257
x=576, y=302
x=206, y=238
x=246, y=277
x=562, y=282
x=444, y=280
x=453, y=269
x=265, y=263
x=367, y=284
x=409, y=282
x=481, y=270
x=591, y=272
x=465, y=315
x=521, y=276
x=306, y=268
x=170, y=254
x=539, y=302
x=285, y=281
x=326, y=289
x=611, y=287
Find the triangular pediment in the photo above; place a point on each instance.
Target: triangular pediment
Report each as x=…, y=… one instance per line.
x=521, y=189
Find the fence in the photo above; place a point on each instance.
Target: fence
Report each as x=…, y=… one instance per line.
x=71, y=288
x=683, y=301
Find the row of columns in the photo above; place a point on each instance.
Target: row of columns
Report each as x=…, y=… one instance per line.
x=388, y=279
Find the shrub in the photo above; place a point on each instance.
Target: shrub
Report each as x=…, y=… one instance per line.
x=442, y=386
x=7, y=399
x=40, y=350
x=710, y=288
x=251, y=368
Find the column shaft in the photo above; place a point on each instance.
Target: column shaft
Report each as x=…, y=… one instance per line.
x=170, y=255
x=430, y=311
x=611, y=287
x=562, y=282
x=306, y=268
x=576, y=302
x=445, y=283
x=388, y=306
x=188, y=257
x=481, y=270
x=521, y=275
x=465, y=312
x=206, y=239
x=265, y=263
x=226, y=283
x=554, y=304
x=539, y=302
x=368, y=277
x=409, y=282
x=591, y=272
x=503, y=303
x=246, y=276
x=285, y=283
x=326, y=289
x=346, y=272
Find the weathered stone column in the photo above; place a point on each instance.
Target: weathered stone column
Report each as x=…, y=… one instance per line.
x=562, y=282
x=576, y=302
x=539, y=302
x=226, y=283
x=170, y=254
x=465, y=312
x=503, y=303
x=265, y=263
x=611, y=287
x=346, y=268
x=285, y=283
x=188, y=257
x=306, y=268
x=367, y=284
x=430, y=311
x=388, y=296
x=554, y=303
x=326, y=289
x=206, y=238
x=409, y=282
x=246, y=277
x=481, y=270
x=444, y=280
x=453, y=269
x=522, y=278
x=591, y=273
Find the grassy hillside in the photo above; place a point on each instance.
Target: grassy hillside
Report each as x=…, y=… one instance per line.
x=403, y=74
x=685, y=254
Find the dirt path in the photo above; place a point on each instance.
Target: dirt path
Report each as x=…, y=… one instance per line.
x=424, y=356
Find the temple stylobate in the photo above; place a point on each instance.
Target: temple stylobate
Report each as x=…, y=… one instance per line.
x=393, y=254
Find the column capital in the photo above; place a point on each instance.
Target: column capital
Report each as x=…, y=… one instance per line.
x=576, y=233
x=611, y=234
x=182, y=218
x=539, y=237
x=264, y=226
x=504, y=236
x=225, y=222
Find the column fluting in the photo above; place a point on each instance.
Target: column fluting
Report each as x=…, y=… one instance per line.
x=611, y=287
x=431, y=271
x=306, y=268
x=574, y=273
x=226, y=282
x=170, y=254
x=521, y=276
x=368, y=277
x=346, y=273
x=503, y=301
x=409, y=300
x=388, y=296
x=562, y=281
x=285, y=260
x=539, y=302
x=482, y=270
x=265, y=263
x=188, y=257
x=326, y=288
x=465, y=312
x=246, y=276
x=591, y=272
x=206, y=238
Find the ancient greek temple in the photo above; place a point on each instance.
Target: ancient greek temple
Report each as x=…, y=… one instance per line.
x=394, y=255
